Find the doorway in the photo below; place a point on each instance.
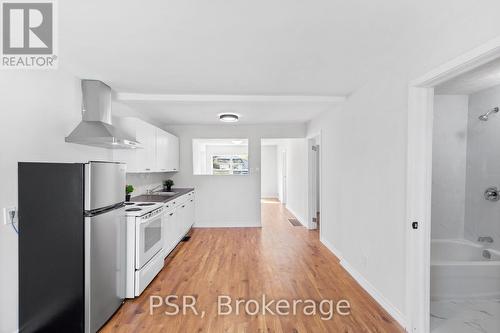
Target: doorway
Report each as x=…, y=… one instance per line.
x=288, y=180
x=421, y=115
x=270, y=171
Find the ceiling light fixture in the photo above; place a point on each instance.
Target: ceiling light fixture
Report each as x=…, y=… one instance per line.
x=228, y=117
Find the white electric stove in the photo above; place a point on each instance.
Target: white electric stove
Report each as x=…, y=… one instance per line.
x=144, y=245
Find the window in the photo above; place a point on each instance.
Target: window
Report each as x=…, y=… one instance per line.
x=220, y=157
x=230, y=165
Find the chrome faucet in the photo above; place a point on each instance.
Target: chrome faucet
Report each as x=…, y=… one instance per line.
x=485, y=239
x=151, y=190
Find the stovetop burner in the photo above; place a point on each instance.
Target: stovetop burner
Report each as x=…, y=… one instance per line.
x=133, y=209
x=129, y=203
x=146, y=204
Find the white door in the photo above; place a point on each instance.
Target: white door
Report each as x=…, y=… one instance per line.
x=313, y=176
x=283, y=177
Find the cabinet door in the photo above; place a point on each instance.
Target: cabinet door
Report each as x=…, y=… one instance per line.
x=169, y=233
x=145, y=157
x=162, y=150
x=128, y=156
x=191, y=210
x=172, y=152
x=181, y=222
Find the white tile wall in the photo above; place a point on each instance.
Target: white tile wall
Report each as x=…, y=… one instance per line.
x=482, y=217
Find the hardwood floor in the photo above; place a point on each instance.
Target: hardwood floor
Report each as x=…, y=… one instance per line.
x=278, y=260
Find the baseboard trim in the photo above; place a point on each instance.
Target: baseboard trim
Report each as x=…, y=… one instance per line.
x=297, y=216
x=228, y=225
x=367, y=286
x=375, y=294
x=330, y=247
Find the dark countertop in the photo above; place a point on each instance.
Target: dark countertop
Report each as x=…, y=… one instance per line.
x=161, y=198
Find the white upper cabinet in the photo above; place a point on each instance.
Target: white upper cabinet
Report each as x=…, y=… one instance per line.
x=172, y=152
x=162, y=150
x=167, y=151
x=159, y=152
x=145, y=156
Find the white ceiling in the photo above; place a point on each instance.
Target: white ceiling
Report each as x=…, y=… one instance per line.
x=260, y=47
x=272, y=142
x=249, y=110
x=483, y=77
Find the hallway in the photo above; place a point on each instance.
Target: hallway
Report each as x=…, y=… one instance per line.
x=278, y=260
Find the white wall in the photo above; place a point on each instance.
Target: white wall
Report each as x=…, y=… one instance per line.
x=145, y=181
x=227, y=201
x=483, y=167
x=37, y=110
x=297, y=181
x=449, y=159
x=296, y=162
x=269, y=172
x=364, y=147
x=363, y=192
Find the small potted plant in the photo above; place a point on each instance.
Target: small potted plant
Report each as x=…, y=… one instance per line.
x=128, y=190
x=167, y=185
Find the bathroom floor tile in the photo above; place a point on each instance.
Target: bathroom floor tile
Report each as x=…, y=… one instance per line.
x=465, y=316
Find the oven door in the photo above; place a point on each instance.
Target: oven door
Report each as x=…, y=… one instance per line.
x=149, y=239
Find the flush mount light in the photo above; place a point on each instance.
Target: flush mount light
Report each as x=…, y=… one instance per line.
x=228, y=117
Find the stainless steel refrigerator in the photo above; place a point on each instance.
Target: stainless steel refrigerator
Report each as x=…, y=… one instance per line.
x=72, y=253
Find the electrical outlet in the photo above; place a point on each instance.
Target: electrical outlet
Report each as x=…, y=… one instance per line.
x=6, y=214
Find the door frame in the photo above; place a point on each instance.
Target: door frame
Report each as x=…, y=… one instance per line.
x=284, y=177
x=419, y=177
x=313, y=167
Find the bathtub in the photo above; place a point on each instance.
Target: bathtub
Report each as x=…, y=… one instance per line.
x=460, y=271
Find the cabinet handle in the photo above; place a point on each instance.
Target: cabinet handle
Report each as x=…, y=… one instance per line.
x=191, y=200
x=147, y=169
x=171, y=214
x=183, y=206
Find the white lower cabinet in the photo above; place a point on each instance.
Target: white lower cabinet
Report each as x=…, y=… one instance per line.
x=177, y=220
x=169, y=222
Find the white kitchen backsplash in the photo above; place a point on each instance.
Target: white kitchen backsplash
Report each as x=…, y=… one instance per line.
x=144, y=181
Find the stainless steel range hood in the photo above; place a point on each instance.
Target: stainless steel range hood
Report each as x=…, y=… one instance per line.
x=96, y=129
